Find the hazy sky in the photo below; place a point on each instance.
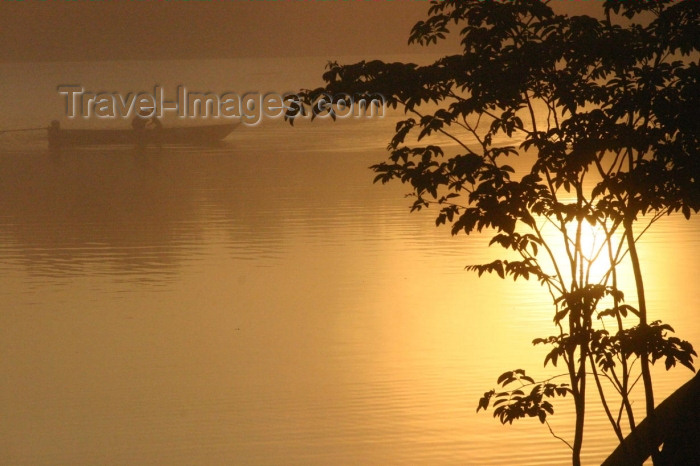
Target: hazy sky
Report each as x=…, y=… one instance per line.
x=36, y=30
x=125, y=29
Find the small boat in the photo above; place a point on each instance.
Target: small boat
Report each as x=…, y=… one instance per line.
x=190, y=135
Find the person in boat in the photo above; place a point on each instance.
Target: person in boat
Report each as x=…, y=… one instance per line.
x=144, y=126
x=54, y=135
x=142, y=122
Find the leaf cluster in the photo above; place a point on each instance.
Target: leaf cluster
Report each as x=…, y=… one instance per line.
x=518, y=403
x=654, y=340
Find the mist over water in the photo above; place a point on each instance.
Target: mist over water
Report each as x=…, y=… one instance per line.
x=261, y=301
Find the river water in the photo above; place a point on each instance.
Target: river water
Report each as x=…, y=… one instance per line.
x=261, y=302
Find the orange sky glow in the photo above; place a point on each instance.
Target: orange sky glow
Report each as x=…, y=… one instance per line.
x=87, y=30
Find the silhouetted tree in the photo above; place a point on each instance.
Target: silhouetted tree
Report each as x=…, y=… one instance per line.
x=604, y=112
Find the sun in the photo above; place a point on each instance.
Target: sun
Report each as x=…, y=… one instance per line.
x=592, y=253
x=592, y=248
x=592, y=238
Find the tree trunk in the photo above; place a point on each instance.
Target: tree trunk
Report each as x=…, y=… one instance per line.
x=644, y=359
x=580, y=402
x=578, y=435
